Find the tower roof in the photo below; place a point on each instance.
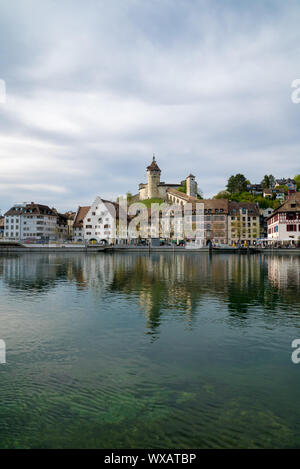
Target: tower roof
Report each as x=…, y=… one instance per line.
x=153, y=166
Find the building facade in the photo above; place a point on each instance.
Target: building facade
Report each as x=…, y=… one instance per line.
x=1, y=227
x=30, y=222
x=96, y=223
x=284, y=223
x=243, y=223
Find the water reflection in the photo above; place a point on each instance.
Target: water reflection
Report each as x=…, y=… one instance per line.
x=161, y=283
x=212, y=370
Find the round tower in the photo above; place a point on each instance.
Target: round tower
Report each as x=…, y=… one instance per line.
x=191, y=186
x=153, y=173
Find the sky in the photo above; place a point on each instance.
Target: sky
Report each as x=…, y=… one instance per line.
x=94, y=88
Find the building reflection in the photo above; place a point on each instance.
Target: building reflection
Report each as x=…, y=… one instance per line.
x=283, y=271
x=173, y=285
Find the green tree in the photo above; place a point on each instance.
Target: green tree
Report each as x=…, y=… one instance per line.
x=222, y=195
x=268, y=181
x=297, y=179
x=237, y=184
x=182, y=188
x=285, y=188
x=200, y=194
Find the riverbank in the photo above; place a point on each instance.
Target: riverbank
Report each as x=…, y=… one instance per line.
x=48, y=248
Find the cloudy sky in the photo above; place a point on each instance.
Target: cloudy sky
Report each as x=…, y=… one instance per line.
x=95, y=87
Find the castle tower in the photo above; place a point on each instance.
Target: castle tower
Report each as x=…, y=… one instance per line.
x=191, y=186
x=153, y=173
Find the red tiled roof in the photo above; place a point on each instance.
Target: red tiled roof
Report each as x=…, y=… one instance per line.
x=35, y=209
x=81, y=213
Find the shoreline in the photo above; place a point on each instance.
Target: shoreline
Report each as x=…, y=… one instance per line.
x=142, y=249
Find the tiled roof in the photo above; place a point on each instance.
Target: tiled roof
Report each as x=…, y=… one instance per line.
x=181, y=195
x=153, y=166
x=216, y=204
x=81, y=213
x=292, y=204
x=209, y=204
x=283, y=182
x=34, y=209
x=252, y=208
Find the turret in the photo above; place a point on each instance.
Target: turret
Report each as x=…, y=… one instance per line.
x=153, y=173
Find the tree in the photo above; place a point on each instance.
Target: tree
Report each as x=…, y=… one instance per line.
x=297, y=179
x=268, y=182
x=285, y=188
x=237, y=184
x=200, y=194
x=182, y=188
x=129, y=198
x=222, y=195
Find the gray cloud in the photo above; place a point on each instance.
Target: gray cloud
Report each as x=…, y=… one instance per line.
x=95, y=87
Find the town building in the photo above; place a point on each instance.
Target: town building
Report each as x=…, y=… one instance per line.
x=284, y=223
x=279, y=194
x=96, y=223
x=70, y=221
x=62, y=228
x=1, y=227
x=290, y=183
x=264, y=215
x=30, y=221
x=243, y=223
x=206, y=218
x=78, y=225
x=255, y=189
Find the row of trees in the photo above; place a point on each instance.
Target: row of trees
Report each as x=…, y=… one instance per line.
x=239, y=183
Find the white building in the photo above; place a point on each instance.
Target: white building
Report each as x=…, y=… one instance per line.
x=284, y=223
x=30, y=221
x=96, y=223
